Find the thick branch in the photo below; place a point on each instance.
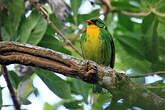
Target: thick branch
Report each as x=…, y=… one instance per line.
x=117, y=83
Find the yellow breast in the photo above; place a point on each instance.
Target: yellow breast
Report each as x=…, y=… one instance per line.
x=92, y=45
x=93, y=33
x=92, y=37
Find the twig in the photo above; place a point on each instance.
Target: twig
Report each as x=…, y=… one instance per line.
x=140, y=14
x=45, y=15
x=157, y=13
x=10, y=87
x=108, y=8
x=78, y=35
x=107, y=3
x=154, y=87
x=147, y=74
x=135, y=14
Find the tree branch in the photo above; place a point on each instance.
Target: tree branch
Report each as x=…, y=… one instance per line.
x=45, y=15
x=117, y=83
x=106, y=7
x=157, y=13
x=10, y=87
x=78, y=35
x=147, y=74
x=139, y=14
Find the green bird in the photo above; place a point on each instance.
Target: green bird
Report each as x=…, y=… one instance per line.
x=97, y=44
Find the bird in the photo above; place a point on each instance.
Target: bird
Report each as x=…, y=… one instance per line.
x=97, y=45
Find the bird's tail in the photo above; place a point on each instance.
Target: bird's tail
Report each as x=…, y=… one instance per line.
x=97, y=89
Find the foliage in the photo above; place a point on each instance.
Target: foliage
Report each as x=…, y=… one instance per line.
x=55, y=83
x=139, y=43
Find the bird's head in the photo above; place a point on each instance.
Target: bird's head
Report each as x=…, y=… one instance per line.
x=96, y=21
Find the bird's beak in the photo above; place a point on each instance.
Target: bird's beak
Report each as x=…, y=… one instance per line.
x=89, y=22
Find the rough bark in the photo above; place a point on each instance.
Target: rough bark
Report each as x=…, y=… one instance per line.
x=117, y=83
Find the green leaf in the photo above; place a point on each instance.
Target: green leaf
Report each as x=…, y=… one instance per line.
x=109, y=19
x=5, y=35
x=150, y=40
x=116, y=106
x=129, y=51
x=126, y=58
x=35, y=91
x=14, y=79
x=54, y=83
x=103, y=98
x=132, y=45
x=161, y=46
x=25, y=101
x=96, y=105
x=147, y=22
x=11, y=16
x=48, y=107
x=81, y=88
x=156, y=84
x=32, y=28
x=157, y=87
x=73, y=105
x=161, y=33
x=126, y=22
x=25, y=88
x=160, y=8
x=75, y=4
x=53, y=43
x=100, y=100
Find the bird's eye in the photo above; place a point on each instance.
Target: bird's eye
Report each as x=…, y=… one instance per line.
x=97, y=22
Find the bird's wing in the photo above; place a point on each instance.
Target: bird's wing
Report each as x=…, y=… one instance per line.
x=112, y=61
x=83, y=38
x=108, y=47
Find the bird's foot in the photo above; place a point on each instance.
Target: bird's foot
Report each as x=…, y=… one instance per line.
x=89, y=68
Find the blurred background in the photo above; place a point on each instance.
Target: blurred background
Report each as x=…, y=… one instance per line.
x=138, y=30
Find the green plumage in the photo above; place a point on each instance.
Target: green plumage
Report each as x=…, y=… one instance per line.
x=97, y=45
x=102, y=49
